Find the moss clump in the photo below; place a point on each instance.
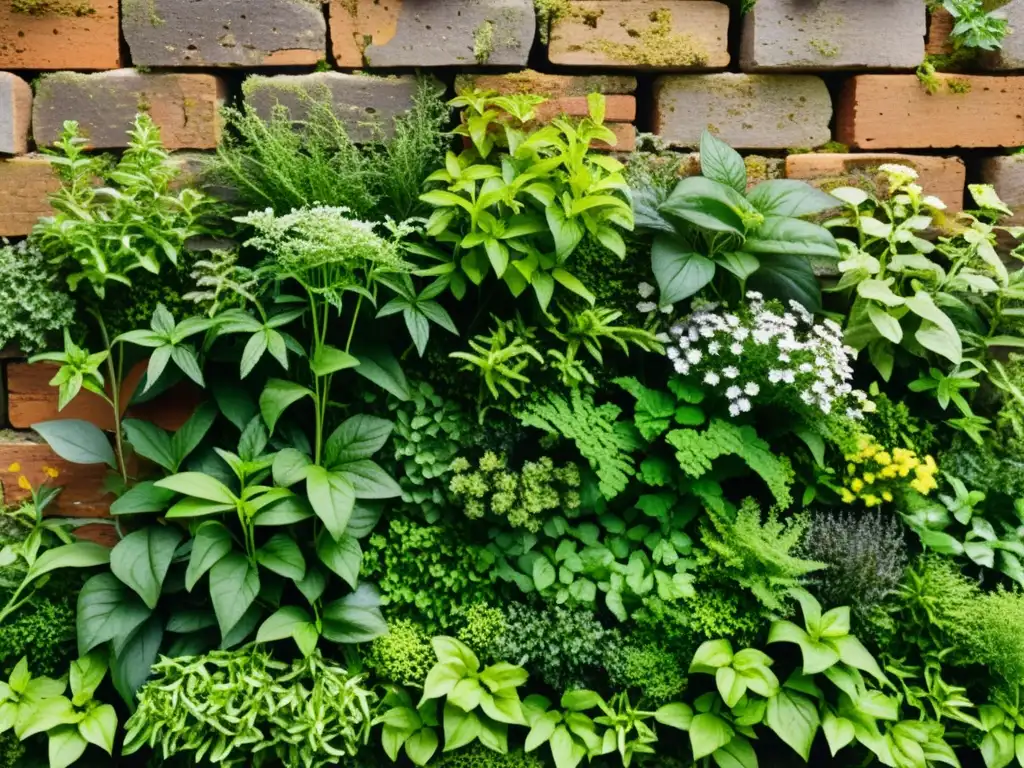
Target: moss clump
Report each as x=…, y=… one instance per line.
x=958, y=85
x=825, y=48
x=141, y=12
x=656, y=45
x=549, y=12
x=52, y=7
x=483, y=42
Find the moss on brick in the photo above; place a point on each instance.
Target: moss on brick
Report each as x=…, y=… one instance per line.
x=656, y=45
x=52, y=7
x=141, y=12
x=483, y=42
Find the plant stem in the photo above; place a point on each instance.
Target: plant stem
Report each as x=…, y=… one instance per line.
x=116, y=376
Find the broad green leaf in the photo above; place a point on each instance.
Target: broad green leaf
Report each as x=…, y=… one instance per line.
x=839, y=732
x=421, y=746
x=679, y=271
x=786, y=276
x=66, y=745
x=107, y=609
x=369, y=480
x=879, y=290
x=330, y=360
x=708, y=732
x=544, y=574
x=460, y=728
x=675, y=715
x=290, y=467
x=77, y=441
x=711, y=656
x=794, y=718
x=150, y=442
x=794, y=237
x=568, y=280
x=886, y=324
x=332, y=497
x=343, y=556
x=277, y=396
x=381, y=367
x=131, y=664
x=282, y=556
x=99, y=726
x=738, y=753
x=358, y=437
x=853, y=653
x=234, y=584
x=355, y=618
x=720, y=162
x=80, y=554
x=198, y=485
x=707, y=204
x=937, y=332
x=142, y=558
x=143, y=498
x=790, y=197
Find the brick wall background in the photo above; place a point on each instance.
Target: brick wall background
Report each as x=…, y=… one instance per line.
x=787, y=83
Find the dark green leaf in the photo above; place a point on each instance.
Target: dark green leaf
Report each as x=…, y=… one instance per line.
x=144, y=497
x=107, y=609
x=77, y=441
x=344, y=556
x=680, y=272
x=787, y=276
x=141, y=560
x=282, y=556
x=150, y=442
x=790, y=197
x=720, y=162
x=234, y=584
x=355, y=618
x=130, y=666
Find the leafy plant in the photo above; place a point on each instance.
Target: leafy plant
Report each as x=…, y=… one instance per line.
x=975, y=25
x=519, y=200
x=32, y=308
x=757, y=239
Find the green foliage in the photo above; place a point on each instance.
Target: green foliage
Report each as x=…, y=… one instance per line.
x=521, y=497
x=519, y=200
x=477, y=756
x=309, y=712
x=425, y=571
x=651, y=669
x=403, y=655
x=131, y=220
x=32, y=309
x=864, y=554
x=709, y=226
x=602, y=440
x=757, y=556
x=696, y=450
x=614, y=282
x=562, y=646
x=892, y=424
x=500, y=358
x=429, y=432
x=45, y=633
x=976, y=26
x=482, y=626
x=270, y=163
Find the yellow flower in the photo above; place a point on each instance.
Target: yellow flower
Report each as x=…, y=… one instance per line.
x=847, y=497
x=890, y=471
x=869, y=477
x=15, y=467
x=857, y=485
x=850, y=468
x=23, y=483
x=883, y=458
x=51, y=472
x=871, y=500
x=887, y=495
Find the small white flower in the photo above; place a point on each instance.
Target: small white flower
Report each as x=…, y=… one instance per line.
x=743, y=404
x=693, y=333
x=731, y=372
x=676, y=330
x=711, y=378
x=783, y=357
x=807, y=397
x=736, y=348
x=645, y=290
x=732, y=320
x=646, y=306
x=806, y=368
x=713, y=348
x=741, y=334
x=666, y=309
x=681, y=367
x=788, y=377
x=762, y=337
x=733, y=392
x=894, y=169
x=672, y=353
x=752, y=389
x=754, y=295
x=734, y=410
x=774, y=377
x=933, y=202
x=693, y=356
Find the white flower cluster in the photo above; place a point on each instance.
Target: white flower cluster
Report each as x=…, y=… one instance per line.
x=758, y=351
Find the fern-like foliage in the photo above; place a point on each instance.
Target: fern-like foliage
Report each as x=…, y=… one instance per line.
x=600, y=438
x=757, y=556
x=696, y=450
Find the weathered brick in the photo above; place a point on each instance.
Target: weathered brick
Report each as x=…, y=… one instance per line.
x=832, y=34
x=896, y=112
x=31, y=399
x=940, y=25
x=1006, y=174
x=253, y=33
x=366, y=104
x=746, y=111
x=943, y=177
x=15, y=114
x=26, y=184
x=186, y=107
x=76, y=34
x=24, y=455
x=529, y=81
x=1010, y=55
x=426, y=33
x=618, y=108
x=642, y=34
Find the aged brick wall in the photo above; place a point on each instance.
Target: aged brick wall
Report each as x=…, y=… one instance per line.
x=785, y=83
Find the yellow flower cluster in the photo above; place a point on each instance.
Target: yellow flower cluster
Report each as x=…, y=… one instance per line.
x=23, y=482
x=874, y=473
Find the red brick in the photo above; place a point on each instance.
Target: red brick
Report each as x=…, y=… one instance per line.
x=57, y=41
x=642, y=34
x=618, y=109
x=943, y=177
x=15, y=114
x=31, y=399
x=26, y=184
x=26, y=456
x=897, y=112
x=940, y=25
x=100, y=533
x=186, y=107
x=541, y=84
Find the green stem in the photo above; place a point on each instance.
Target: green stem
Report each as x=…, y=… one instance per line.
x=14, y=604
x=116, y=376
